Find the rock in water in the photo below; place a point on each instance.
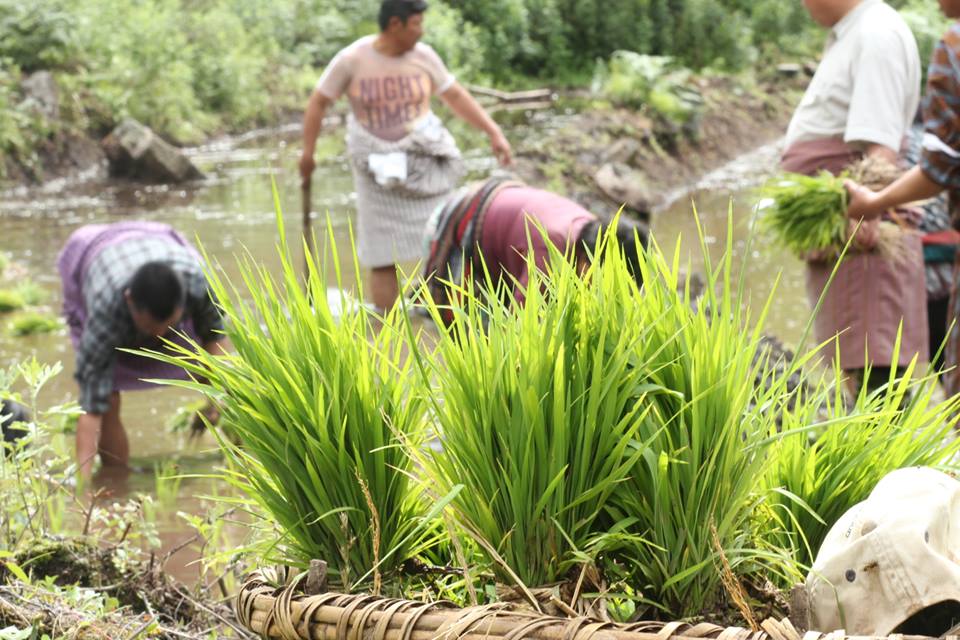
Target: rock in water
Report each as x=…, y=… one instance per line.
x=624, y=185
x=137, y=152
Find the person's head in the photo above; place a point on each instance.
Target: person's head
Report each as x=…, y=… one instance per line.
x=156, y=297
x=402, y=21
x=12, y=414
x=950, y=8
x=632, y=237
x=827, y=13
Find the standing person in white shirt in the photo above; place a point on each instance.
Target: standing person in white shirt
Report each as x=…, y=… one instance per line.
x=404, y=161
x=860, y=102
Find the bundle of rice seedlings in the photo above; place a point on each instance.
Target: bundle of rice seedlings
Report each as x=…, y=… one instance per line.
x=688, y=504
x=818, y=475
x=10, y=301
x=538, y=415
x=318, y=406
x=32, y=323
x=31, y=293
x=184, y=417
x=807, y=214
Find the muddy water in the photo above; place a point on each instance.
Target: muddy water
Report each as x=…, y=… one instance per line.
x=233, y=210
x=766, y=269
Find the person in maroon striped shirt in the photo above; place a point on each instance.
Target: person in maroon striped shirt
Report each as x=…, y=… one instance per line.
x=938, y=169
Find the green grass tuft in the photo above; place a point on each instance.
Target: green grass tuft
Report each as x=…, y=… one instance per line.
x=319, y=407
x=32, y=323
x=31, y=293
x=10, y=301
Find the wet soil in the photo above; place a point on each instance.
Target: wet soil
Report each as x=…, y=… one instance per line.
x=737, y=117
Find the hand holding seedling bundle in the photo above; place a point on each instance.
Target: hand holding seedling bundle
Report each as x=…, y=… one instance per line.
x=808, y=214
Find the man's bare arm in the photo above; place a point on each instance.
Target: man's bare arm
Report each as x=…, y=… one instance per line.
x=466, y=107
x=312, y=123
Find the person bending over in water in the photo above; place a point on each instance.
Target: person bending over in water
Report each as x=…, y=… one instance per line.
x=127, y=285
x=503, y=220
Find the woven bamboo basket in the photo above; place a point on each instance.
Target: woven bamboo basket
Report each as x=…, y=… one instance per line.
x=287, y=613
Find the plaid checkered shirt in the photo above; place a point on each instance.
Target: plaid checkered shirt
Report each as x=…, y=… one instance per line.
x=109, y=325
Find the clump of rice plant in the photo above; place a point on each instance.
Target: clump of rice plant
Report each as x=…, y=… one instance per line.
x=184, y=419
x=167, y=481
x=538, y=414
x=807, y=213
x=31, y=293
x=32, y=323
x=818, y=475
x=688, y=503
x=10, y=301
x=317, y=406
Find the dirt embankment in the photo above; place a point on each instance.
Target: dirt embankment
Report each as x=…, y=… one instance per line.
x=606, y=157
x=601, y=156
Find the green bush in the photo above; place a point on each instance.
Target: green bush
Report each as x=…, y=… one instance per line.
x=707, y=35
x=780, y=29
x=928, y=25
x=37, y=35
x=635, y=80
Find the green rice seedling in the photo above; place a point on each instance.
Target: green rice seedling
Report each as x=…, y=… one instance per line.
x=816, y=479
x=31, y=293
x=538, y=415
x=167, y=481
x=32, y=323
x=318, y=405
x=183, y=418
x=10, y=301
x=807, y=213
x=708, y=441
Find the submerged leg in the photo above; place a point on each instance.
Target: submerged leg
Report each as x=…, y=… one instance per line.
x=114, y=447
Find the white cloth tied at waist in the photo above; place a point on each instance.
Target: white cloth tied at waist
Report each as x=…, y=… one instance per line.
x=425, y=163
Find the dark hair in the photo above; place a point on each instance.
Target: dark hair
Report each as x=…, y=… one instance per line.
x=402, y=9
x=157, y=289
x=632, y=237
x=12, y=413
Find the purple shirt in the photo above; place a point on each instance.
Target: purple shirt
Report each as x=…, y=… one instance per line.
x=514, y=211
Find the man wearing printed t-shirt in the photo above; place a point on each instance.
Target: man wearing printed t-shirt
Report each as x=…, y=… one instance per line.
x=404, y=161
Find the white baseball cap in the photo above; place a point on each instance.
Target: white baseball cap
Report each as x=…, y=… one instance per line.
x=891, y=564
